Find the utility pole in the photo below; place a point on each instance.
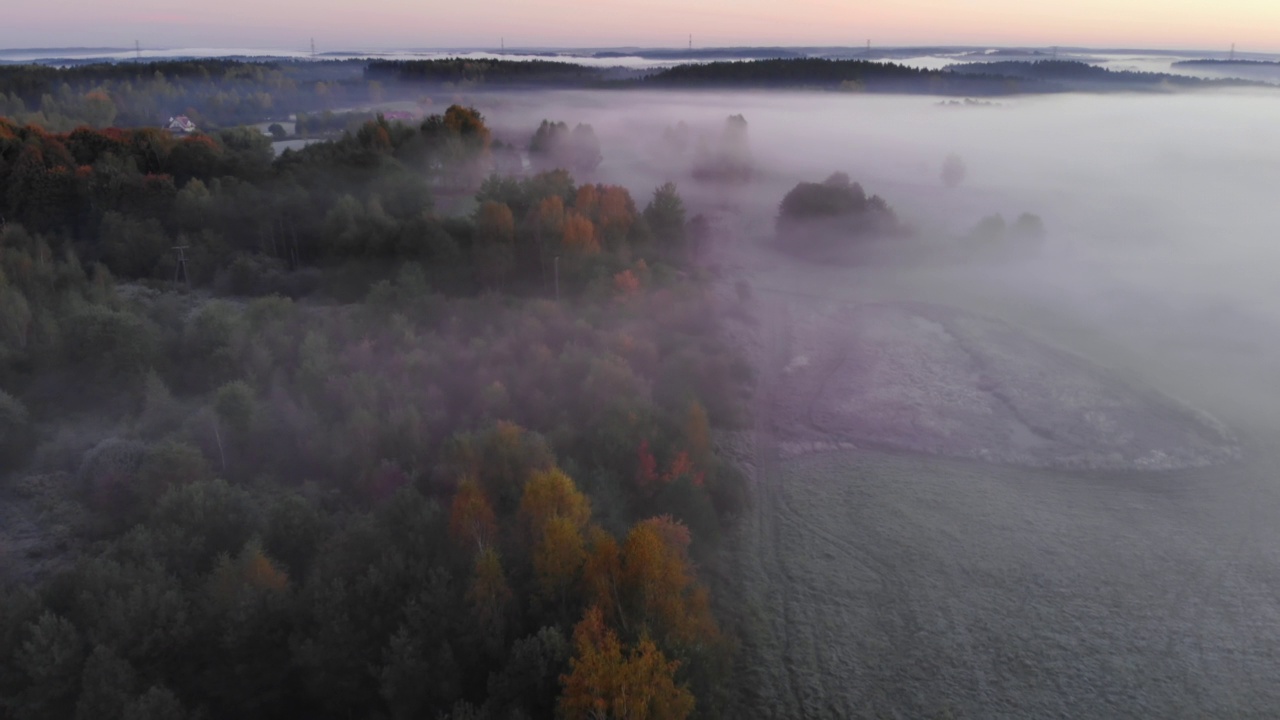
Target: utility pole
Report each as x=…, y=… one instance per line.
x=691, y=41
x=181, y=269
x=313, y=47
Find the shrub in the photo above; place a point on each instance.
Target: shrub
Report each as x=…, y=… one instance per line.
x=17, y=434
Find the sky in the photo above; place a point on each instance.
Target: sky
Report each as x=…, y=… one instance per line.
x=379, y=24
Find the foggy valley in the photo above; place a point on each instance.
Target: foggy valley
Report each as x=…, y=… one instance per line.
x=806, y=400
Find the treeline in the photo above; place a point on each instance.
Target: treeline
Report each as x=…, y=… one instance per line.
x=214, y=93
x=127, y=198
x=820, y=73
x=1225, y=63
x=471, y=73
x=1058, y=75
x=392, y=496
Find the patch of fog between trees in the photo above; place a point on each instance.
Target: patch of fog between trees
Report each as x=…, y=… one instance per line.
x=1158, y=207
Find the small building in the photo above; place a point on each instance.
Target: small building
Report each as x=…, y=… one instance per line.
x=181, y=124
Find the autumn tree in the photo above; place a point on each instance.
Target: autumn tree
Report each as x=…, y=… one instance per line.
x=604, y=681
x=616, y=213
x=495, y=235
x=659, y=583
x=580, y=234
x=697, y=434
x=472, y=524
x=457, y=144
x=602, y=573
x=554, y=514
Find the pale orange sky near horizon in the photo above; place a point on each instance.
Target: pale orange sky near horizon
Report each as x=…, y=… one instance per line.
x=350, y=24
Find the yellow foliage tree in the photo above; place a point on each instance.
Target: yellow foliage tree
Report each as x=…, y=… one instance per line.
x=602, y=573
x=605, y=682
x=558, y=557
x=551, y=494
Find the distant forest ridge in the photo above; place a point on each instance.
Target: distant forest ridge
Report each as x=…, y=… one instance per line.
x=1226, y=63
x=1076, y=75
x=221, y=93
x=993, y=78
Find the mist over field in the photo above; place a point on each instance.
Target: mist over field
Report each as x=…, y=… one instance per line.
x=906, y=586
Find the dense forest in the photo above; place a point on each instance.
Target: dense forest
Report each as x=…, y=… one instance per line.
x=213, y=93
x=293, y=443
x=820, y=73
x=469, y=73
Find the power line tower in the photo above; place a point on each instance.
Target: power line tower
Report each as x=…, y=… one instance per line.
x=180, y=270
x=1233, y=52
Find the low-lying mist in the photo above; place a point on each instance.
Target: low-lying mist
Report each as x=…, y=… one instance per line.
x=1158, y=207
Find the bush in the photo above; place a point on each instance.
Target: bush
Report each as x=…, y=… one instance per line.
x=833, y=211
x=108, y=474
x=115, y=343
x=168, y=465
x=17, y=434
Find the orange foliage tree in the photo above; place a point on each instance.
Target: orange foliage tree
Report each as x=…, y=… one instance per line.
x=251, y=573
x=602, y=573
x=495, y=224
x=587, y=200
x=580, y=234
x=659, y=584
x=626, y=284
x=605, y=682
x=616, y=213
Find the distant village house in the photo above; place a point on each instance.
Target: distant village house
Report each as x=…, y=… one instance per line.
x=181, y=124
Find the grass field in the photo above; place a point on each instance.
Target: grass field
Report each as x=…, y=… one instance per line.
x=880, y=582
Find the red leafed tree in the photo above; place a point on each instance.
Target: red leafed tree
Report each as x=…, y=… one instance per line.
x=682, y=466
x=647, y=473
